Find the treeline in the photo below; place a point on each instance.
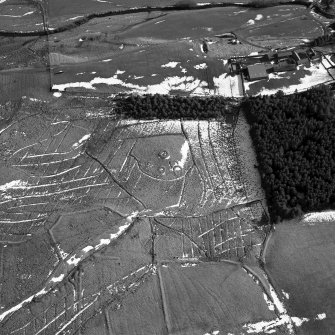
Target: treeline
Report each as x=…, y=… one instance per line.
x=323, y=40
x=171, y=107
x=294, y=138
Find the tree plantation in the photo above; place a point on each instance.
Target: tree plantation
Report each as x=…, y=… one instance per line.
x=294, y=138
x=171, y=107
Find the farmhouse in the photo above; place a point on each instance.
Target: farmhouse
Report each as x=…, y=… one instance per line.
x=257, y=71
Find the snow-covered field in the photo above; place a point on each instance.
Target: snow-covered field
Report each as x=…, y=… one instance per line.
x=225, y=85
x=318, y=75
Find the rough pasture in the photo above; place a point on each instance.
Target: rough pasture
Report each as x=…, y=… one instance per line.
x=93, y=187
x=207, y=170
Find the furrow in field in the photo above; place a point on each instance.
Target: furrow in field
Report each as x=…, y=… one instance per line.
x=207, y=153
x=190, y=130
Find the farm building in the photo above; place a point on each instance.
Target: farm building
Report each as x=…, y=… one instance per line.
x=300, y=57
x=285, y=65
x=257, y=71
x=312, y=54
x=284, y=54
x=270, y=55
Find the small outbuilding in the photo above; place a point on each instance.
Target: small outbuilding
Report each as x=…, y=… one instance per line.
x=257, y=72
x=300, y=57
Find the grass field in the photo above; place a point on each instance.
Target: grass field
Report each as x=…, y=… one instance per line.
x=196, y=303
x=62, y=8
x=299, y=262
x=34, y=83
x=139, y=313
x=179, y=68
x=20, y=16
x=281, y=22
x=129, y=44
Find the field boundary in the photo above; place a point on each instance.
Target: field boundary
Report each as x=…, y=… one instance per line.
x=89, y=17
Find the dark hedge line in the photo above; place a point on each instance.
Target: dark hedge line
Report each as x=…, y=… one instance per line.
x=294, y=138
x=171, y=107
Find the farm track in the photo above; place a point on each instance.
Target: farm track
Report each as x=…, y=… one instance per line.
x=90, y=17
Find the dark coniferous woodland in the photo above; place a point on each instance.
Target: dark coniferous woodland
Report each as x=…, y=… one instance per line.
x=294, y=138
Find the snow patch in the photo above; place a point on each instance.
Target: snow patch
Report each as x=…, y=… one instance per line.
x=201, y=66
x=240, y=11
x=88, y=248
x=73, y=260
x=187, y=265
x=83, y=139
x=327, y=216
x=15, y=184
x=299, y=321
x=320, y=316
x=57, y=94
x=25, y=14
x=270, y=304
x=318, y=75
x=57, y=279
x=228, y=86
x=286, y=295
x=259, y=17
x=250, y=22
x=171, y=64
x=74, y=18
x=184, y=150
x=107, y=60
x=225, y=85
